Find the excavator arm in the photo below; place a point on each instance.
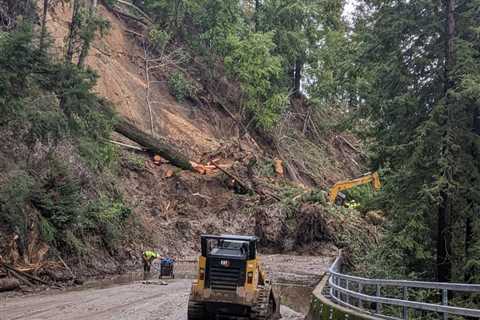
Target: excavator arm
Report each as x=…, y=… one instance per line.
x=372, y=178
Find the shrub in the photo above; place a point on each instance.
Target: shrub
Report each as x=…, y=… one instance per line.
x=107, y=218
x=98, y=155
x=73, y=244
x=15, y=193
x=158, y=39
x=134, y=162
x=58, y=196
x=47, y=230
x=179, y=87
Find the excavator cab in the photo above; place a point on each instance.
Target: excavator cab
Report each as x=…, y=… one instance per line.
x=231, y=282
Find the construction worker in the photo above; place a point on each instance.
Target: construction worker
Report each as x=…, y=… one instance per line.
x=148, y=258
x=353, y=205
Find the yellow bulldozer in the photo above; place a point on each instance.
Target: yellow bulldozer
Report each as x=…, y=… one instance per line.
x=335, y=196
x=231, y=282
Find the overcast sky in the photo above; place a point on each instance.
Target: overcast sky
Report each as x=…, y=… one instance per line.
x=349, y=8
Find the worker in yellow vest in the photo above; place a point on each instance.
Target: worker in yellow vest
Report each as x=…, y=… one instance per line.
x=148, y=258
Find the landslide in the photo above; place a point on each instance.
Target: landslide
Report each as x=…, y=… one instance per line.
x=176, y=208
x=171, y=207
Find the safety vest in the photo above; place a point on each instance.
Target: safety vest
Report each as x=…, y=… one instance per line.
x=150, y=254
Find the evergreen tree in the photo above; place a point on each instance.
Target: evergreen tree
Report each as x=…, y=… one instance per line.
x=298, y=27
x=421, y=61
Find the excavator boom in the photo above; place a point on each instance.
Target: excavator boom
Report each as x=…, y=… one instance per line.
x=372, y=178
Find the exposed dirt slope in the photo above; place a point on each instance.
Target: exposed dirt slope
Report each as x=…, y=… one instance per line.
x=119, y=62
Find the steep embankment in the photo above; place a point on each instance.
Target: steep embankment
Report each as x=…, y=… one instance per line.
x=175, y=207
x=119, y=61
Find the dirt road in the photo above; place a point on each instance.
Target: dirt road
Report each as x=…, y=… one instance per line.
x=136, y=301
x=139, y=301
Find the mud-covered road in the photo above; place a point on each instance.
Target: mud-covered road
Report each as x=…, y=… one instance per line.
x=140, y=301
x=136, y=301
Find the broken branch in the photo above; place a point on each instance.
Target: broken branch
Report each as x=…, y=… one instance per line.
x=238, y=180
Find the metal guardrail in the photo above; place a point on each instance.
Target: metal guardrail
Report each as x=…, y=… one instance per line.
x=351, y=291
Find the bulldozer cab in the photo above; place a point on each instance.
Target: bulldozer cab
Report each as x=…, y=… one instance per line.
x=239, y=247
x=231, y=281
x=226, y=260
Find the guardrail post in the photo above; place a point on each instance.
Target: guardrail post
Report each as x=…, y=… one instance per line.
x=445, y=302
x=335, y=291
x=332, y=290
x=405, y=297
x=378, y=294
x=347, y=286
x=360, y=290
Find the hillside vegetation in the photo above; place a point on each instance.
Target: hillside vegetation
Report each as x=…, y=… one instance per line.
x=68, y=191
x=268, y=103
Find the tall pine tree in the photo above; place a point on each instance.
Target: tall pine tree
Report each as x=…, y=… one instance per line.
x=421, y=60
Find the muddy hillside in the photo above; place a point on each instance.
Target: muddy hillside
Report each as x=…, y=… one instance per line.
x=244, y=180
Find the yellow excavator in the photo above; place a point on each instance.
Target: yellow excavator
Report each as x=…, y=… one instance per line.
x=335, y=196
x=231, y=282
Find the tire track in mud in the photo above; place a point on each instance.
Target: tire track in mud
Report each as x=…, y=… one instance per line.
x=38, y=312
x=138, y=301
x=134, y=301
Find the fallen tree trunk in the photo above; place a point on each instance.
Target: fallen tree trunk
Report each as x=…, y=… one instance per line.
x=20, y=274
x=9, y=284
x=20, y=277
x=153, y=145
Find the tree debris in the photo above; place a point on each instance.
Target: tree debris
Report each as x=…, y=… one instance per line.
x=9, y=284
x=153, y=145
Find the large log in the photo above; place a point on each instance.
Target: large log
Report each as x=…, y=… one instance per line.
x=153, y=145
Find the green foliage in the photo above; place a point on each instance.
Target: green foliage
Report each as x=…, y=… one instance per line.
x=58, y=196
x=73, y=245
x=252, y=63
x=66, y=223
x=422, y=106
x=335, y=80
x=15, y=194
x=265, y=51
x=264, y=168
x=50, y=104
x=299, y=27
x=98, y=155
x=179, y=86
x=135, y=162
x=158, y=39
x=90, y=25
x=169, y=13
x=111, y=3
x=362, y=195
x=314, y=219
x=106, y=218
x=83, y=29
x=47, y=230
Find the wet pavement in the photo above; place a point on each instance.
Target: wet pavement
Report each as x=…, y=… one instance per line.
x=127, y=298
